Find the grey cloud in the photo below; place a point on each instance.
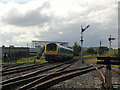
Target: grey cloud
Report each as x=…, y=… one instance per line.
x=70, y=26
x=9, y=36
x=17, y=1
x=71, y=33
x=34, y=17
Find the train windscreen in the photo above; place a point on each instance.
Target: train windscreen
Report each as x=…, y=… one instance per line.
x=51, y=47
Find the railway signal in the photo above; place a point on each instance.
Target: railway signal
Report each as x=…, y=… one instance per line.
x=82, y=30
x=110, y=41
x=108, y=61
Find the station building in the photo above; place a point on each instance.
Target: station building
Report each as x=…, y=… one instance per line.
x=13, y=53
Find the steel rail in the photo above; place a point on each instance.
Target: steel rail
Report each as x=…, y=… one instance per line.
x=49, y=77
x=48, y=83
x=6, y=66
x=114, y=84
x=30, y=74
x=21, y=70
x=16, y=68
x=101, y=74
x=28, y=80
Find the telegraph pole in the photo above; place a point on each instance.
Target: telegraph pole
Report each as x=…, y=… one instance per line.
x=100, y=49
x=82, y=30
x=100, y=43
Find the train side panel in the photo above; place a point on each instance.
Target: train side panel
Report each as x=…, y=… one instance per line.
x=65, y=53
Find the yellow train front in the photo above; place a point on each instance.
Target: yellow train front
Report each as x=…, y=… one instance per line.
x=55, y=52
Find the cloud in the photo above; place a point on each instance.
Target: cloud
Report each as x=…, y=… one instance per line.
x=60, y=32
x=58, y=21
x=17, y=1
x=31, y=18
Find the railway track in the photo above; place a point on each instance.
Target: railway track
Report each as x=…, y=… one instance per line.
x=101, y=77
x=115, y=78
x=21, y=69
x=28, y=73
x=30, y=80
x=116, y=70
x=50, y=80
x=56, y=76
x=15, y=70
x=47, y=77
x=31, y=76
x=11, y=66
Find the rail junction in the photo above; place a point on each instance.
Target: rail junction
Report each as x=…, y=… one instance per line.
x=70, y=74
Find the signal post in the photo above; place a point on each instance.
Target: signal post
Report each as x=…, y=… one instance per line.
x=108, y=61
x=82, y=30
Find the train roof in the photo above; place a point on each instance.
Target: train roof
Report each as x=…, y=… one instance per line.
x=65, y=47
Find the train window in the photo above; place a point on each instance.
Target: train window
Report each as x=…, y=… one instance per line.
x=51, y=47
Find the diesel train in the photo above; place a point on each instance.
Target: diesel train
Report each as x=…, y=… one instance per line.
x=55, y=52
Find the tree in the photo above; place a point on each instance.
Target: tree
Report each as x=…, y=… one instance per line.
x=90, y=51
x=102, y=50
x=76, y=49
x=118, y=51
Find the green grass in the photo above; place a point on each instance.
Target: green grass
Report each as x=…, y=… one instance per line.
x=90, y=56
x=27, y=60
x=113, y=53
x=31, y=60
x=7, y=63
x=90, y=60
x=116, y=66
x=76, y=57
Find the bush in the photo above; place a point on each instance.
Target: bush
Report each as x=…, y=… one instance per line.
x=113, y=53
x=91, y=51
x=76, y=49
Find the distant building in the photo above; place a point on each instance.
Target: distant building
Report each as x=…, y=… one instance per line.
x=14, y=53
x=34, y=51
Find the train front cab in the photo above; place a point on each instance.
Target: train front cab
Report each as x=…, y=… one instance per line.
x=51, y=52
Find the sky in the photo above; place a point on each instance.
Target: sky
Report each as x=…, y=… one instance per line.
x=22, y=21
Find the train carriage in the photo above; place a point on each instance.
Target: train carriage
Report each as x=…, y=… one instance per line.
x=56, y=52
